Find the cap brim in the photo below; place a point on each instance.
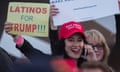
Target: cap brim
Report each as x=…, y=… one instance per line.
x=73, y=32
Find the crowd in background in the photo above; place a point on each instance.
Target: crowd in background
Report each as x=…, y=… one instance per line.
x=73, y=48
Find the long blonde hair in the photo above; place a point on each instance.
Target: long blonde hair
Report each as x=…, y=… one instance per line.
x=98, y=36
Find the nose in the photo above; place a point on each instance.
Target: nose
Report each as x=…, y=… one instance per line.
x=95, y=49
x=76, y=43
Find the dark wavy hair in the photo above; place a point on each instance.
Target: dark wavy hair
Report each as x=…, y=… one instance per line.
x=61, y=46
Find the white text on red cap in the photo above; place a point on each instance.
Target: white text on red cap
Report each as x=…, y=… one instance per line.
x=71, y=26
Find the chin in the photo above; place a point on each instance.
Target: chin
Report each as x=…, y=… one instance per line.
x=99, y=59
x=75, y=57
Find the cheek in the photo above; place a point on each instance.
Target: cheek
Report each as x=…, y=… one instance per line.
x=102, y=52
x=82, y=44
x=68, y=45
x=67, y=49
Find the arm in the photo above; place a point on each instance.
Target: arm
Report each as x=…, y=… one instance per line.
x=5, y=62
x=53, y=33
x=28, y=50
x=53, y=36
x=25, y=47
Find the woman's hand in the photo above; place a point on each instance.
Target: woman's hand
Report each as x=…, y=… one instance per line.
x=8, y=27
x=91, y=55
x=53, y=12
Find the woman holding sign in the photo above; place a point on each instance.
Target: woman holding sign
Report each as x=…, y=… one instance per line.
x=93, y=38
x=72, y=41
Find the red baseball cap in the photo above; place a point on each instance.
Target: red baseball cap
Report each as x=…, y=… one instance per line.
x=70, y=28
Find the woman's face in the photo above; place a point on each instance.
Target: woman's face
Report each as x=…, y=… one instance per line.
x=98, y=48
x=74, y=46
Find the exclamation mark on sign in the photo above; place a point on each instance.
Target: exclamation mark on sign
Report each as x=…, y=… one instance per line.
x=41, y=28
x=44, y=28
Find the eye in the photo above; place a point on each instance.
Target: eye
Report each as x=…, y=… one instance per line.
x=80, y=40
x=70, y=39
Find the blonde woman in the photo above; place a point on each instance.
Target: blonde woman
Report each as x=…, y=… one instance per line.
x=98, y=42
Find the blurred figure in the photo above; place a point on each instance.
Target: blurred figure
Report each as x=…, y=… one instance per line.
x=22, y=60
x=5, y=62
x=95, y=67
x=60, y=65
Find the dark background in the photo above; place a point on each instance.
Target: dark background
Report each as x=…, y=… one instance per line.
x=114, y=59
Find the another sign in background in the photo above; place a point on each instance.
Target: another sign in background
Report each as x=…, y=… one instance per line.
x=83, y=10
x=29, y=18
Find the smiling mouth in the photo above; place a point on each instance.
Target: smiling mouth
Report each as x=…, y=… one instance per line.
x=97, y=54
x=75, y=50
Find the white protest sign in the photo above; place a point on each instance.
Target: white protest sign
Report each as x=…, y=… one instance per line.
x=119, y=6
x=83, y=10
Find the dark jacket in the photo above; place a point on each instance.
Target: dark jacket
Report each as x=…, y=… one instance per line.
x=5, y=62
x=54, y=43
x=40, y=62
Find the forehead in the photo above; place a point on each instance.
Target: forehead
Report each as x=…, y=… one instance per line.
x=94, y=36
x=76, y=35
x=94, y=40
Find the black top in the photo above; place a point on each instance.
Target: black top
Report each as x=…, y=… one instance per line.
x=40, y=62
x=5, y=62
